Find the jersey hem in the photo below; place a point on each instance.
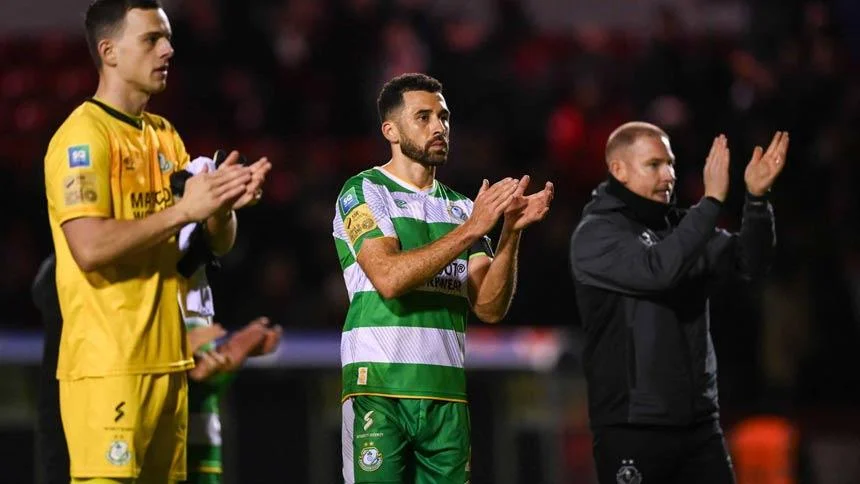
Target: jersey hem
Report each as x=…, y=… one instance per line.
x=183, y=365
x=397, y=395
x=206, y=470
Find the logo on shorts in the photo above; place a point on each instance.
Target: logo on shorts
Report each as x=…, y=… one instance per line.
x=628, y=474
x=118, y=453
x=368, y=420
x=370, y=458
x=119, y=412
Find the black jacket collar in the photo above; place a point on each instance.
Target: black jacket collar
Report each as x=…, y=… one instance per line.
x=647, y=212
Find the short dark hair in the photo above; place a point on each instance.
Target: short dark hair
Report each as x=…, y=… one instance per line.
x=105, y=17
x=627, y=134
x=391, y=96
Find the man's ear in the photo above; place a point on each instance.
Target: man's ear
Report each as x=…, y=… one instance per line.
x=618, y=169
x=107, y=51
x=390, y=131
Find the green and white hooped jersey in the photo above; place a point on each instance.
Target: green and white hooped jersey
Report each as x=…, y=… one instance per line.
x=413, y=345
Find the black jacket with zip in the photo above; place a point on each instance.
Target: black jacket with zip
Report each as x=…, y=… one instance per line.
x=643, y=272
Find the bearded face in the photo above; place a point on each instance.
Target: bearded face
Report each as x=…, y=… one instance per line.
x=433, y=153
x=423, y=128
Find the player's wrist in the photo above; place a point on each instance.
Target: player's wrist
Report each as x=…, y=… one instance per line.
x=470, y=232
x=179, y=215
x=508, y=228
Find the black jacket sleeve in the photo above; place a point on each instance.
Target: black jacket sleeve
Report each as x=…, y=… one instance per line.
x=44, y=290
x=606, y=254
x=748, y=253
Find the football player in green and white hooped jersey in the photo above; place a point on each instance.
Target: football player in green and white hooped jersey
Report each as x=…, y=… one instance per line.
x=416, y=260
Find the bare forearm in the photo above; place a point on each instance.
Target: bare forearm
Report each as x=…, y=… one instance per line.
x=222, y=232
x=497, y=289
x=98, y=242
x=396, y=273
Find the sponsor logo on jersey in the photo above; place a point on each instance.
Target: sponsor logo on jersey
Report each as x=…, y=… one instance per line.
x=80, y=188
x=359, y=222
x=450, y=279
x=79, y=156
x=362, y=376
x=146, y=203
x=368, y=420
x=348, y=201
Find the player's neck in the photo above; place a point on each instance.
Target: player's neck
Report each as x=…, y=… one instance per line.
x=421, y=176
x=120, y=96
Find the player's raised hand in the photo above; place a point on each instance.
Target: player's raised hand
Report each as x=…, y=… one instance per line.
x=254, y=189
x=765, y=166
x=490, y=204
x=716, y=172
x=209, y=192
x=259, y=169
x=526, y=210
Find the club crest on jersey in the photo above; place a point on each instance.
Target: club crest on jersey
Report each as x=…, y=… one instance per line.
x=79, y=156
x=457, y=212
x=348, y=201
x=370, y=458
x=164, y=164
x=118, y=453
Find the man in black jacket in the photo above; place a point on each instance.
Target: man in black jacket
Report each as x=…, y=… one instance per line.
x=643, y=271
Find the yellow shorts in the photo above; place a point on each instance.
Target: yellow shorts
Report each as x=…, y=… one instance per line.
x=126, y=426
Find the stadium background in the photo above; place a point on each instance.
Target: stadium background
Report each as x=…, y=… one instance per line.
x=535, y=86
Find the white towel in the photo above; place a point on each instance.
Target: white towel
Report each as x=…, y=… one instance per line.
x=198, y=300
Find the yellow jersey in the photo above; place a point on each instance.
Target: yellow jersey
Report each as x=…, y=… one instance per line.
x=123, y=318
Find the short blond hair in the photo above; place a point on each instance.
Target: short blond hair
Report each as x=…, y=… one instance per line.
x=627, y=134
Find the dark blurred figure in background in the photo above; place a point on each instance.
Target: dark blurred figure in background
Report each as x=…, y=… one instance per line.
x=52, y=458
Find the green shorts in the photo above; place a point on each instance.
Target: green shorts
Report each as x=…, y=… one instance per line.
x=402, y=440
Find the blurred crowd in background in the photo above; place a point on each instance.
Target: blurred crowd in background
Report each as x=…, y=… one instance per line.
x=296, y=80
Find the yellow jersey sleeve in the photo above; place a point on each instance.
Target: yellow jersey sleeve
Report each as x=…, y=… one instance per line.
x=182, y=156
x=78, y=171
